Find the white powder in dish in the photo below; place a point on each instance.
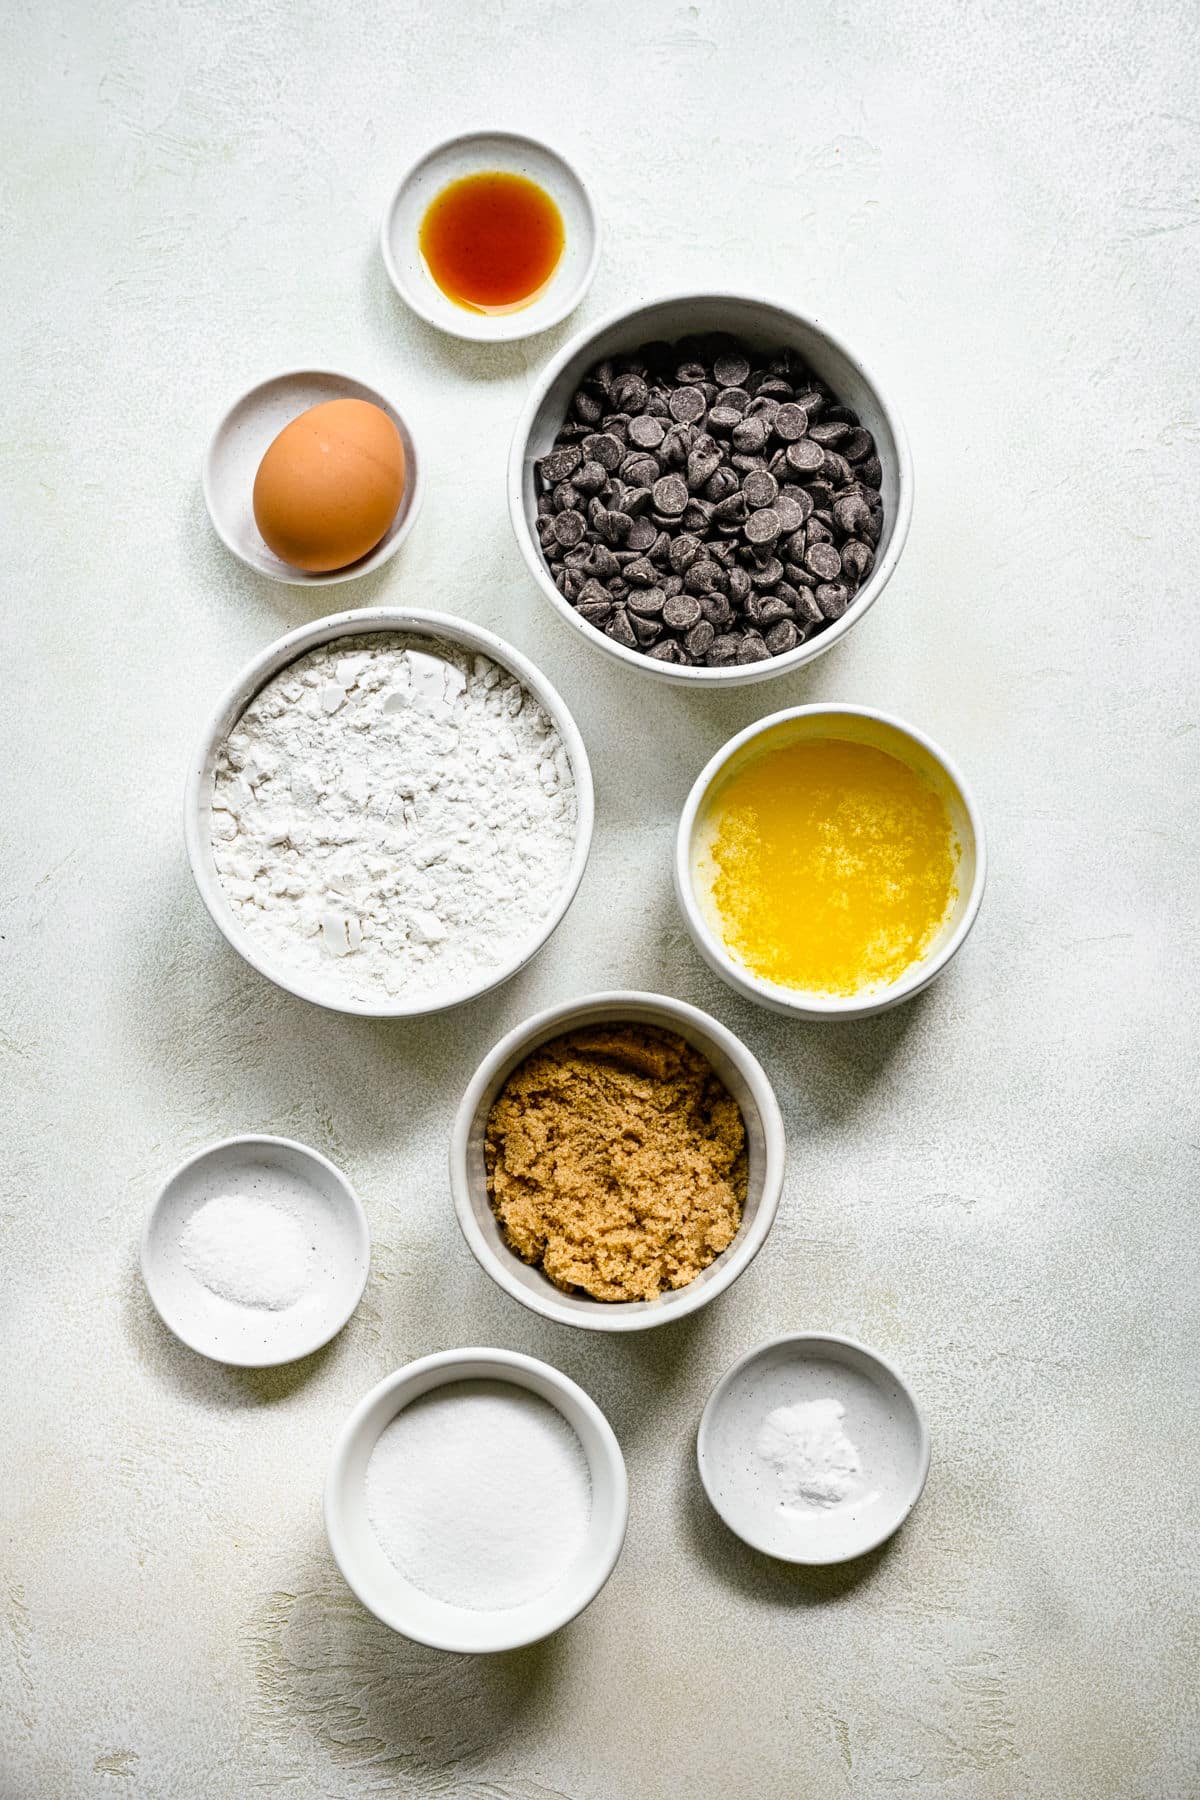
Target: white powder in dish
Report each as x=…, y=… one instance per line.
x=248, y=1251
x=392, y=815
x=479, y=1493
x=814, y=1461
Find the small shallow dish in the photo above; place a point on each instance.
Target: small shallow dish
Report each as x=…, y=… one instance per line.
x=745, y=1079
x=386, y=1592
x=369, y=621
x=881, y=1420
x=243, y=438
x=322, y=1200
x=856, y=724
x=478, y=153
x=761, y=323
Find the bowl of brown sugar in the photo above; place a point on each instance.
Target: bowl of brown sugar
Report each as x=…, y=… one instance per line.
x=617, y=1161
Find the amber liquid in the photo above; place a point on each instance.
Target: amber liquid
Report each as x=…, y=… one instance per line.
x=492, y=241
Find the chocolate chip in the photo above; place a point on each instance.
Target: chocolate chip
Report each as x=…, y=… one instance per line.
x=722, y=420
x=731, y=512
x=606, y=449
x=668, y=652
x=640, y=470
x=560, y=464
x=723, y=651
x=588, y=407
x=703, y=460
x=762, y=527
x=830, y=433
x=805, y=457
x=671, y=495
x=683, y=552
x=596, y=612
x=620, y=630
x=833, y=597
x=681, y=612
x=731, y=369
x=860, y=443
x=646, y=631
x=790, y=422
x=629, y=393
x=646, y=431
x=697, y=514
x=690, y=373
x=749, y=436
x=589, y=478
x=751, y=649
x=716, y=608
x=641, y=572
x=687, y=404
x=761, y=489
x=857, y=560
x=700, y=639
x=648, y=602
x=823, y=561
x=569, y=528
x=642, y=533
x=720, y=485
x=783, y=637
x=851, y=512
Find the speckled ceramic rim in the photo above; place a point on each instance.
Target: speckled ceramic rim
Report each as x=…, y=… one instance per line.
x=502, y=1264
x=373, y=621
x=410, y=502
x=814, y=1343
x=374, y=1413
x=639, y=325
x=251, y=1141
x=804, y=1005
x=500, y=328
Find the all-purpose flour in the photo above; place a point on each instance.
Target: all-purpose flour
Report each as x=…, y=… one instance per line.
x=479, y=1493
x=392, y=815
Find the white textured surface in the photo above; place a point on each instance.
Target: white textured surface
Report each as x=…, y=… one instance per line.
x=995, y=1185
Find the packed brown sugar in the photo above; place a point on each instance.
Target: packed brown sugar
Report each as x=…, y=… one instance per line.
x=616, y=1160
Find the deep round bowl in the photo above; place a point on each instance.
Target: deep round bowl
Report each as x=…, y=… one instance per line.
x=243, y=437
x=387, y=1593
x=856, y=724
x=761, y=323
x=375, y=621
x=745, y=1079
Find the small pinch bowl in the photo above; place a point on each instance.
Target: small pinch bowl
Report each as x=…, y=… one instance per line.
x=243, y=437
x=476, y=153
x=405, y=1607
x=252, y=1337
x=761, y=323
x=854, y=724
x=884, y=1423
x=745, y=1079
x=373, y=621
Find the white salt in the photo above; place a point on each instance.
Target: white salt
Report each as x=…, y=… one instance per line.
x=479, y=1493
x=248, y=1251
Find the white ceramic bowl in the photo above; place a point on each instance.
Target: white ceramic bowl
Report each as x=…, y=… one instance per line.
x=858, y=724
x=761, y=323
x=399, y=1602
x=371, y=620
x=880, y=1419
x=242, y=439
x=745, y=1079
x=322, y=1202
x=473, y=154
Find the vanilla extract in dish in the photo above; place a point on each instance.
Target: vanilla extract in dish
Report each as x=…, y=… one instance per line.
x=492, y=241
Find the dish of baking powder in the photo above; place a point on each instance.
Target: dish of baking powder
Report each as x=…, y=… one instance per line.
x=814, y=1461
x=392, y=815
x=479, y=1493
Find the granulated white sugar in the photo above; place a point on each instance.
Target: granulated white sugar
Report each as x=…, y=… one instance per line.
x=479, y=1493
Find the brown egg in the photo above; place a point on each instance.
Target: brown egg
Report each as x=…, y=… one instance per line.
x=330, y=485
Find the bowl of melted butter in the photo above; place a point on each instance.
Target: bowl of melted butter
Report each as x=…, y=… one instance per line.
x=830, y=862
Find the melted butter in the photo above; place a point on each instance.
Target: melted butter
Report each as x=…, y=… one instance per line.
x=832, y=866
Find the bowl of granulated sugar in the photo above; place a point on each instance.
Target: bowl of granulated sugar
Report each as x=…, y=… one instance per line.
x=476, y=1500
x=389, y=812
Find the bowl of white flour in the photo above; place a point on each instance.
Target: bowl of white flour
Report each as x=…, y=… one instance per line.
x=389, y=812
x=476, y=1500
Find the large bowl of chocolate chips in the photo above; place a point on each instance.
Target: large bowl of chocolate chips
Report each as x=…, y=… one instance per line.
x=711, y=488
